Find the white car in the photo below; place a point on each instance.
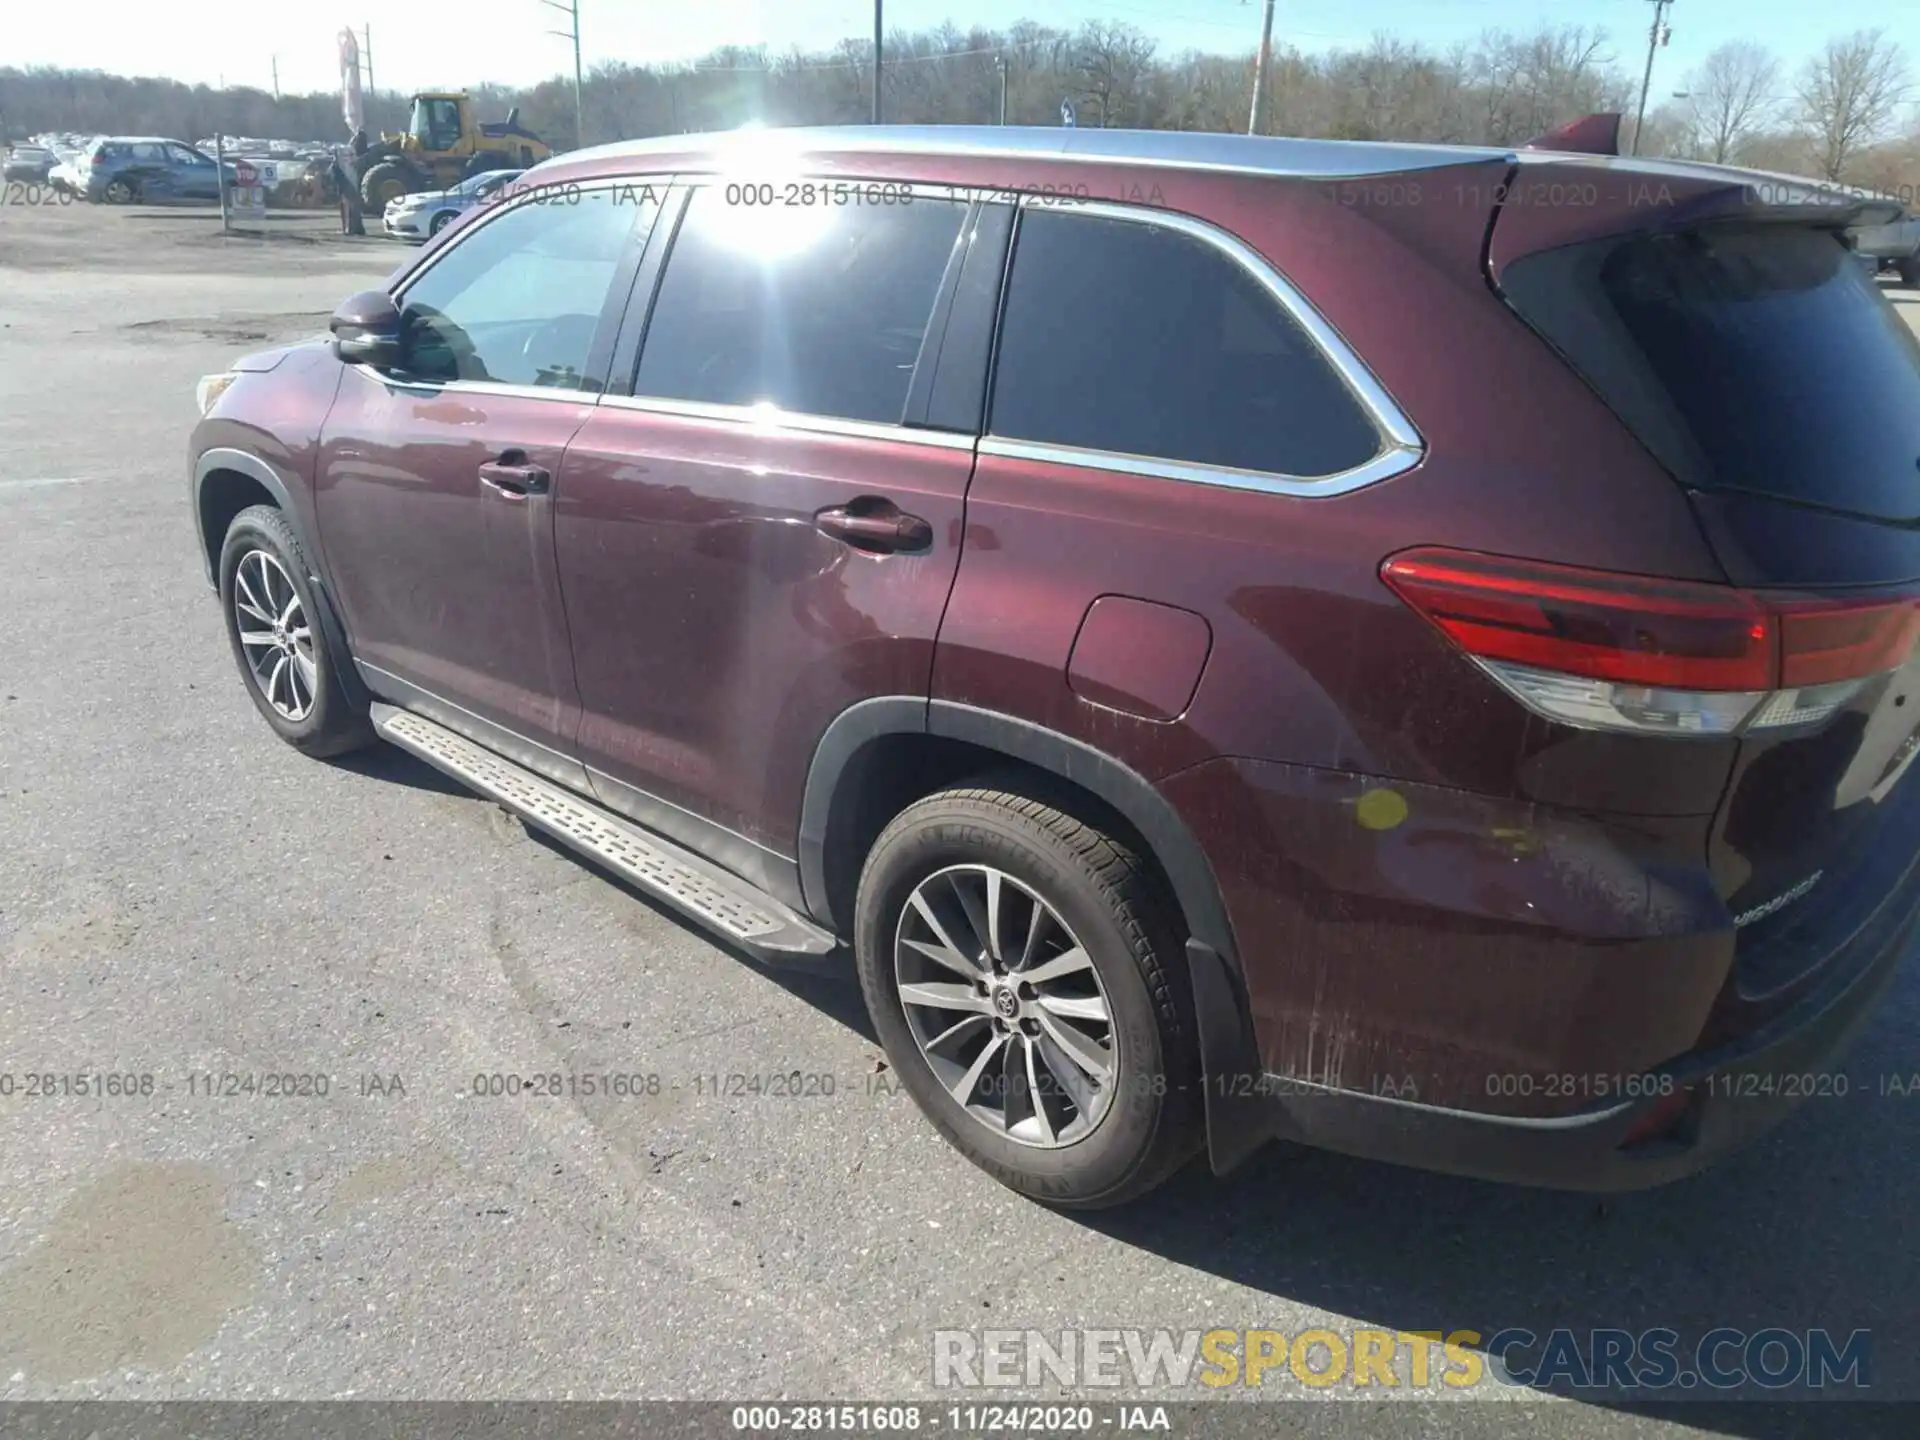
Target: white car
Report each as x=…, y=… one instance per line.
x=66, y=176
x=419, y=216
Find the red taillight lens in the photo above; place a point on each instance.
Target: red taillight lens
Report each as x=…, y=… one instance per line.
x=1588, y=622
x=1608, y=651
x=1822, y=642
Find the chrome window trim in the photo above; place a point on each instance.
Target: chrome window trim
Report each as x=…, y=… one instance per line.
x=480, y=387
x=1402, y=444
x=1383, y=466
x=774, y=421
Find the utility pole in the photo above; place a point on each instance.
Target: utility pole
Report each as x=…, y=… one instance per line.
x=276, y=77
x=1001, y=61
x=877, y=41
x=571, y=9
x=1657, y=35
x=1257, y=121
x=366, y=55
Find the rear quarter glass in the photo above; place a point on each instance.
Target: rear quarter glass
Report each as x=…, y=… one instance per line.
x=1759, y=359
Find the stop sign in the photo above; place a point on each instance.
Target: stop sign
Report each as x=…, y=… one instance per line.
x=244, y=175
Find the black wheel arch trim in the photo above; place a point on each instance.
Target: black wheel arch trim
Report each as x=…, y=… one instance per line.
x=1235, y=1127
x=254, y=468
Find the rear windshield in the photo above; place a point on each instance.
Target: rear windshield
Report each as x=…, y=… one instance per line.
x=1750, y=358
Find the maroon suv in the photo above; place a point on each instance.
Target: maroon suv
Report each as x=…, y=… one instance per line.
x=1401, y=648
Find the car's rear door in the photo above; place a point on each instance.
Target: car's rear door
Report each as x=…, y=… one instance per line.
x=143, y=165
x=765, y=530
x=435, y=482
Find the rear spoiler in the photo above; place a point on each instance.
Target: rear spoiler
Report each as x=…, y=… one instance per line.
x=1607, y=195
x=1694, y=191
x=1589, y=135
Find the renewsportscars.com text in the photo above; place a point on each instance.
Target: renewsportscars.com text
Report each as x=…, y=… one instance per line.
x=1603, y=1359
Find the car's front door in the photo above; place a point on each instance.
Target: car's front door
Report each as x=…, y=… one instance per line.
x=435, y=482
x=194, y=175
x=765, y=532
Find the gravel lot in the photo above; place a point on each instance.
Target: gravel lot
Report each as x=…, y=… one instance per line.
x=180, y=893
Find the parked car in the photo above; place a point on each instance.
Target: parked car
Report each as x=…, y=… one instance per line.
x=120, y=169
x=69, y=171
x=28, y=164
x=1893, y=245
x=416, y=217
x=1238, y=637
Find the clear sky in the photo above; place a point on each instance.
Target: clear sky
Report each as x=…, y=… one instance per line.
x=421, y=43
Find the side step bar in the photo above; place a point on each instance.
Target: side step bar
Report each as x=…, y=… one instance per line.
x=723, y=902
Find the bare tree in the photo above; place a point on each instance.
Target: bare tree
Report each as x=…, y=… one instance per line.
x=1730, y=95
x=1112, y=62
x=1500, y=88
x=1850, y=92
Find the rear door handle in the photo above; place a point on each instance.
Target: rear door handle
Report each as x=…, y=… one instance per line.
x=513, y=477
x=880, y=529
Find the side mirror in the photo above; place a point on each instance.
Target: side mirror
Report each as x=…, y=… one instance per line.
x=366, y=329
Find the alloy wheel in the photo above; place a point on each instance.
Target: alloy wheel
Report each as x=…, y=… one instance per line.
x=1006, y=1006
x=274, y=634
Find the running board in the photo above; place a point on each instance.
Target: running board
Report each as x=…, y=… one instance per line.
x=719, y=900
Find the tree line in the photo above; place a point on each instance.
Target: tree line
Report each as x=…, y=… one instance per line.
x=1844, y=112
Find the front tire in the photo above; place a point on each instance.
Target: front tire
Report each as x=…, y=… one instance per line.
x=440, y=222
x=384, y=182
x=1909, y=269
x=273, y=628
x=1024, y=972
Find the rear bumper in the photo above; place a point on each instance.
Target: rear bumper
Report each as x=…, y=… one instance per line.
x=1735, y=1092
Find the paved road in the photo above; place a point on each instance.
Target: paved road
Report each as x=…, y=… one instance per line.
x=179, y=894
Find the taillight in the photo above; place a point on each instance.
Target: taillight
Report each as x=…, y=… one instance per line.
x=1625, y=652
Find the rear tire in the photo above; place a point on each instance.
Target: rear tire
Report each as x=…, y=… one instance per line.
x=295, y=684
x=1909, y=269
x=960, y=853
x=119, y=192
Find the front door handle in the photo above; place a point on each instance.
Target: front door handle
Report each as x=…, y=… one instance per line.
x=882, y=528
x=513, y=477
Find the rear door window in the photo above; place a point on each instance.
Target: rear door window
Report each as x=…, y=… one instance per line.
x=1129, y=336
x=818, y=309
x=1758, y=359
x=517, y=301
